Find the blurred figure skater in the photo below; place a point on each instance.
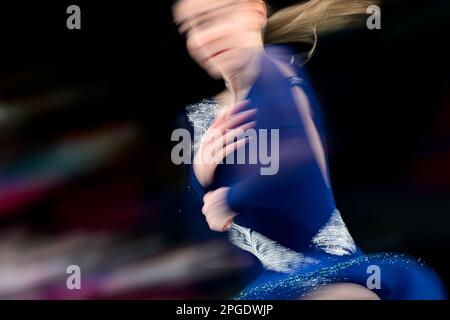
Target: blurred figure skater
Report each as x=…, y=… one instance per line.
x=288, y=220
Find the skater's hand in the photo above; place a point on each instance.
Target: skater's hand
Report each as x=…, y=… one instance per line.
x=218, y=141
x=216, y=210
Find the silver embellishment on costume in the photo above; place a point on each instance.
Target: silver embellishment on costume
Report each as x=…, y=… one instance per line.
x=296, y=81
x=272, y=255
x=200, y=115
x=334, y=238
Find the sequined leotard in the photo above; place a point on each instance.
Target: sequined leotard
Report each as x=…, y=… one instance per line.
x=291, y=216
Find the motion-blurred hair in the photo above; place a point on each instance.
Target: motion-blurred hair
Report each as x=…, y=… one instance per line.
x=305, y=21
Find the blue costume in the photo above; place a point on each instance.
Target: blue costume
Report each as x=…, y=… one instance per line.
x=289, y=220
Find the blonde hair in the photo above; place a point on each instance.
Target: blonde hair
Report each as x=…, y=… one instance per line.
x=305, y=21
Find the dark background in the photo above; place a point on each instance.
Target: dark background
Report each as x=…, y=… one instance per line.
x=385, y=95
